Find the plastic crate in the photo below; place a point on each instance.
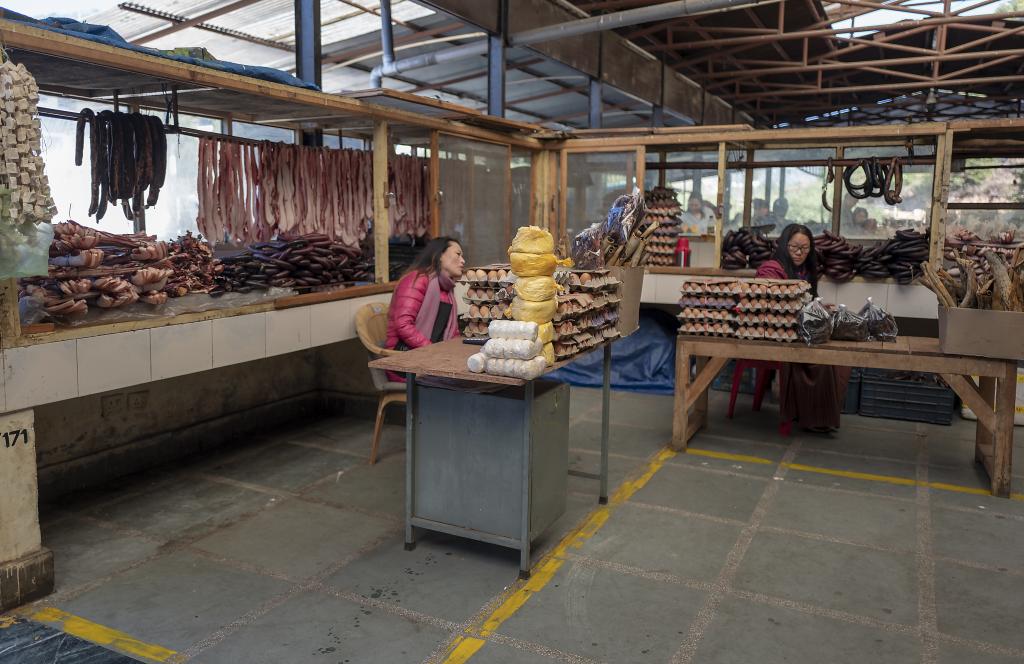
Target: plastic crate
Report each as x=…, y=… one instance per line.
x=852, y=403
x=882, y=395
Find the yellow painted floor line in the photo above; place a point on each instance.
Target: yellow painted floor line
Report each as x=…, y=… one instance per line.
x=870, y=477
x=728, y=456
x=464, y=646
x=849, y=474
x=98, y=634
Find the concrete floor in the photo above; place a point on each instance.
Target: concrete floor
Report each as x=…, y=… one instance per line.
x=750, y=548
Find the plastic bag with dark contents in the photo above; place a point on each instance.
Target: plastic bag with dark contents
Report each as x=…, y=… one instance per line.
x=624, y=215
x=586, y=251
x=815, y=325
x=849, y=326
x=881, y=324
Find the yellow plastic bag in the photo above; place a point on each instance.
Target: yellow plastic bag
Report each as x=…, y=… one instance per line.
x=534, y=312
x=535, y=289
x=546, y=333
x=549, y=354
x=532, y=240
x=532, y=265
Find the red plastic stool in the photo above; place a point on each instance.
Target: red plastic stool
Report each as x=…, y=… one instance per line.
x=763, y=369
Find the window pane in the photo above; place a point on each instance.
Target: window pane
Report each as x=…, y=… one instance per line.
x=173, y=214
x=522, y=186
x=693, y=176
x=262, y=132
x=595, y=180
x=474, y=207
x=873, y=218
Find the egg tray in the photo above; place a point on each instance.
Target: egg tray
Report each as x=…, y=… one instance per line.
x=483, y=295
x=767, y=319
x=595, y=283
x=489, y=275
x=475, y=329
x=769, y=305
x=767, y=333
x=575, y=315
x=721, y=329
x=702, y=314
x=484, y=312
x=709, y=302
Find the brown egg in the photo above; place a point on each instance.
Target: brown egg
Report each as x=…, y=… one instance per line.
x=585, y=278
x=474, y=311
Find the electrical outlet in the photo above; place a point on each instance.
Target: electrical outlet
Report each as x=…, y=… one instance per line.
x=112, y=404
x=138, y=400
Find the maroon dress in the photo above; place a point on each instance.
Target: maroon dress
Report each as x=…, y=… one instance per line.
x=809, y=394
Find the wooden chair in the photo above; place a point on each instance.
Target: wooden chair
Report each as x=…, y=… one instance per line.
x=372, y=328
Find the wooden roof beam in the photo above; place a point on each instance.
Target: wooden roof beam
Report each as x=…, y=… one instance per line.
x=884, y=87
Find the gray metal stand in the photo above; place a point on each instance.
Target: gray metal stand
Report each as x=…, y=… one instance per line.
x=606, y=400
x=474, y=459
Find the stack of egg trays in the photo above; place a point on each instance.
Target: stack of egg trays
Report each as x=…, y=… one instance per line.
x=489, y=297
x=708, y=306
x=602, y=291
x=768, y=309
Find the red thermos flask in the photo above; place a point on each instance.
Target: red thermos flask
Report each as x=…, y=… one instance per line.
x=682, y=252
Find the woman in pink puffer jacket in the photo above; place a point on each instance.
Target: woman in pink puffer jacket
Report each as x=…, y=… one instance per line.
x=423, y=308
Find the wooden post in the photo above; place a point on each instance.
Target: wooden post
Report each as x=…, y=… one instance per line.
x=563, y=193
x=10, y=321
x=435, y=184
x=662, y=176
x=680, y=412
x=539, y=189
x=837, y=194
x=983, y=438
x=381, y=226
x=748, y=188
x=720, y=203
x=940, y=196
x=1002, y=453
x=507, y=221
x=641, y=168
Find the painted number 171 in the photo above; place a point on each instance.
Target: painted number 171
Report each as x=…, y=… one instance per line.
x=11, y=437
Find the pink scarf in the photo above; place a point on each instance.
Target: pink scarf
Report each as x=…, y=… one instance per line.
x=432, y=302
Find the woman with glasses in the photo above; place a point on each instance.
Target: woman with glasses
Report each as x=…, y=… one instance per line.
x=810, y=394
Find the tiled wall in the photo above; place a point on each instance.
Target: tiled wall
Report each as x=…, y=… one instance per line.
x=904, y=301
x=51, y=372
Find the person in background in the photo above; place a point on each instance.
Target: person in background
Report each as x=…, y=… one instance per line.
x=694, y=216
x=423, y=308
x=760, y=213
x=809, y=394
x=779, y=211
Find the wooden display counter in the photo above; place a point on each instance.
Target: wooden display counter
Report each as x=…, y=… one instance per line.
x=992, y=399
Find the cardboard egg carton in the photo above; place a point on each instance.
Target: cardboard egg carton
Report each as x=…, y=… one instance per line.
x=489, y=275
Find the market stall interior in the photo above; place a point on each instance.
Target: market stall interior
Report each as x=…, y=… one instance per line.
x=613, y=462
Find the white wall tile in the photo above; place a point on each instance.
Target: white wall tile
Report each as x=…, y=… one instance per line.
x=668, y=288
x=702, y=253
x=177, y=350
x=238, y=339
x=827, y=291
x=649, y=291
x=287, y=330
x=40, y=374
x=853, y=295
x=331, y=322
x=912, y=302
x=113, y=361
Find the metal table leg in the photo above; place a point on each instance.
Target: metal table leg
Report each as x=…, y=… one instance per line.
x=606, y=399
x=410, y=451
x=524, y=531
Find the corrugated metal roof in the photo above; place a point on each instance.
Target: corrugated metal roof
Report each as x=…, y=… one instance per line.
x=352, y=28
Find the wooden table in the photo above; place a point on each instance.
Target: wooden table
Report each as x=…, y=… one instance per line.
x=447, y=360
x=992, y=399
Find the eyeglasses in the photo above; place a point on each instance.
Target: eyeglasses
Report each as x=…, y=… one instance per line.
x=799, y=249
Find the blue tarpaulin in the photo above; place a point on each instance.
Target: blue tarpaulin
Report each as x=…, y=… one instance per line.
x=642, y=362
x=103, y=34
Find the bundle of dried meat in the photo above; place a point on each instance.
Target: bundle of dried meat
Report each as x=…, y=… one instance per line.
x=127, y=160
